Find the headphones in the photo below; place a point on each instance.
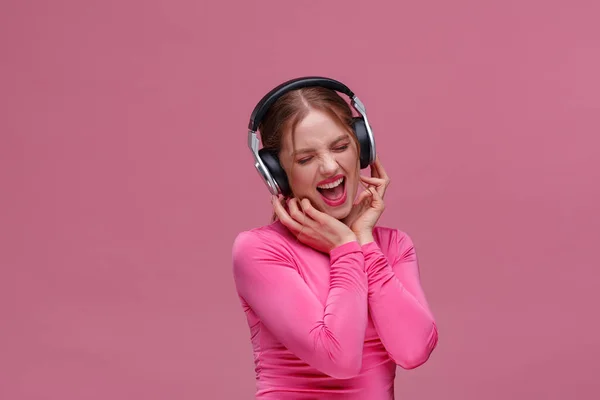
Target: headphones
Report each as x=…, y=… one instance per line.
x=266, y=161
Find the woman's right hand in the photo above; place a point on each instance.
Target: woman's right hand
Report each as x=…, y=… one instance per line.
x=314, y=228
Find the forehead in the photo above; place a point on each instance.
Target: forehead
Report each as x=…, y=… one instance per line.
x=316, y=130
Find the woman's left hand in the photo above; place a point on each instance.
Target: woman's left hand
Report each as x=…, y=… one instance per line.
x=369, y=205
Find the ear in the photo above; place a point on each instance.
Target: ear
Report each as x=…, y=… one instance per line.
x=271, y=161
x=360, y=130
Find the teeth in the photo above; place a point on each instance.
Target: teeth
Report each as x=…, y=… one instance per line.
x=332, y=184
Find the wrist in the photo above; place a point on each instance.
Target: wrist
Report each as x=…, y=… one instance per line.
x=348, y=238
x=365, y=237
x=344, y=241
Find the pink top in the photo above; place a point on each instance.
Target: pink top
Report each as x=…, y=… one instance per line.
x=331, y=325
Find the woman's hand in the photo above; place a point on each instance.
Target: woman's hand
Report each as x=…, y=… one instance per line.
x=314, y=228
x=369, y=205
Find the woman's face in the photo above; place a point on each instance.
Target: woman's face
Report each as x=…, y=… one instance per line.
x=325, y=165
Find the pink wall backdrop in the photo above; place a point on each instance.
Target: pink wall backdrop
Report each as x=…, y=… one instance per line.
x=125, y=177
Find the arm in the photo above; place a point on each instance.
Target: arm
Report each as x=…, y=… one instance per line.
x=397, y=303
x=329, y=338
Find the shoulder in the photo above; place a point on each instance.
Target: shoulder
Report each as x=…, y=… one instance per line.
x=266, y=235
x=268, y=242
x=393, y=242
x=261, y=256
x=384, y=235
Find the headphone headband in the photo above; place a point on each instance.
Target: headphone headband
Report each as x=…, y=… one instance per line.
x=267, y=101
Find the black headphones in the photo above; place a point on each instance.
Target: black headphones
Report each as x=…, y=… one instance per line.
x=267, y=161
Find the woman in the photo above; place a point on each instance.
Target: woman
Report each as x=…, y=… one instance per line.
x=333, y=301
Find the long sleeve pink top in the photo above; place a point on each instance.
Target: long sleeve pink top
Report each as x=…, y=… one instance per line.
x=331, y=325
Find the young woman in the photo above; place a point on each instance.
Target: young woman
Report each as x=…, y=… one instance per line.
x=333, y=301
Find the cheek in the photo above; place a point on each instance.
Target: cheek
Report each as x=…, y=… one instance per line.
x=350, y=162
x=301, y=179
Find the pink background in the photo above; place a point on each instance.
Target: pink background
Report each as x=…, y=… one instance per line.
x=125, y=177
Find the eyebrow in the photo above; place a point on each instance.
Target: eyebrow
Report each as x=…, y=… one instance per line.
x=335, y=141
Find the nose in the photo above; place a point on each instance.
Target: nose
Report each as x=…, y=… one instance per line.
x=329, y=165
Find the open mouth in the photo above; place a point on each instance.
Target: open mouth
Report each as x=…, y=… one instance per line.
x=333, y=193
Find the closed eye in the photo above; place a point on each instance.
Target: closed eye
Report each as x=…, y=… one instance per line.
x=304, y=160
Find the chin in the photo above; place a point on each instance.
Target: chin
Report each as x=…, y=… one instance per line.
x=339, y=213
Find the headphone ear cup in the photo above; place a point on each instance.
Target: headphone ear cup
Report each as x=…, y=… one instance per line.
x=271, y=161
x=360, y=130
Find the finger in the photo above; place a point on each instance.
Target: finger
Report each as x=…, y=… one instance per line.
x=312, y=212
x=281, y=200
x=377, y=182
x=362, y=196
x=296, y=213
x=377, y=198
x=278, y=199
x=380, y=170
x=284, y=217
x=374, y=170
x=373, y=181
